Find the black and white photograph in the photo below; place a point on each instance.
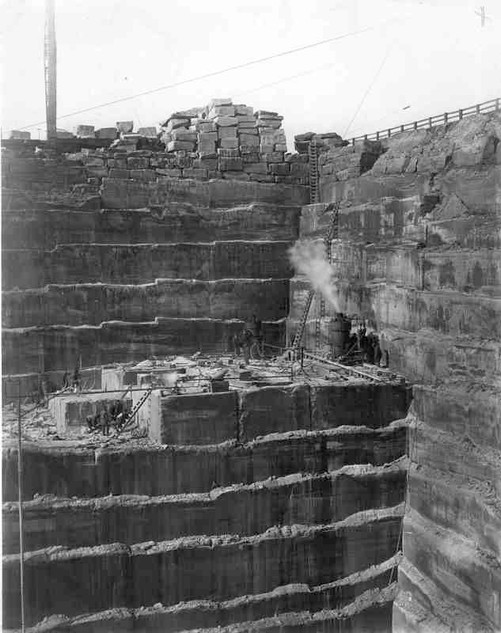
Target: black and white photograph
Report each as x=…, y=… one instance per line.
x=251, y=316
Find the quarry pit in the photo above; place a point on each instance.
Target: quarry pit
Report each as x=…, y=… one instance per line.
x=311, y=481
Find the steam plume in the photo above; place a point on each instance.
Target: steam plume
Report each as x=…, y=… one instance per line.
x=309, y=258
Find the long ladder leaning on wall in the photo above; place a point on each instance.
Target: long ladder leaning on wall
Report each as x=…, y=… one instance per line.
x=332, y=233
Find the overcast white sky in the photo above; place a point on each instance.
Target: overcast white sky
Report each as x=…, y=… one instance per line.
x=430, y=55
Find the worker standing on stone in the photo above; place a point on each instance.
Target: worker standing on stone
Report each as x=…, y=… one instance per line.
x=75, y=382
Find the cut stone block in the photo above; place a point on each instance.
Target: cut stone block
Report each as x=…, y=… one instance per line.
x=148, y=132
x=281, y=169
x=181, y=134
x=273, y=410
x=194, y=172
x=230, y=164
x=269, y=123
x=106, y=132
x=146, y=175
x=235, y=175
x=229, y=143
x=70, y=411
x=119, y=173
x=125, y=127
x=207, y=136
x=206, y=126
x=256, y=168
x=84, y=131
x=222, y=110
x=173, y=124
x=228, y=153
x=267, y=114
x=20, y=135
x=243, y=110
x=138, y=162
x=195, y=419
x=227, y=132
x=219, y=102
x=248, y=140
x=252, y=131
x=206, y=162
x=174, y=146
x=273, y=157
x=207, y=148
x=226, y=121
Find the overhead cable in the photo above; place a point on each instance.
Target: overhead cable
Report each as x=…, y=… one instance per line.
x=207, y=75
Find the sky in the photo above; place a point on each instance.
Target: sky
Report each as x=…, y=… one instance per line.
x=394, y=61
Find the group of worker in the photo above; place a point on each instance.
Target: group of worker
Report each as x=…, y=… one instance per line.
x=368, y=345
x=249, y=341
x=114, y=414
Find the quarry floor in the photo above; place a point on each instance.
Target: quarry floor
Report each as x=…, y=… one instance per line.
x=39, y=423
x=295, y=523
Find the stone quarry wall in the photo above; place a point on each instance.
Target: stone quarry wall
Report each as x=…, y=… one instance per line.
x=270, y=508
x=295, y=513
x=115, y=250
x=418, y=257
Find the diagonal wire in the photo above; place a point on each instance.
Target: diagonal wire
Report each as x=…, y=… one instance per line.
x=208, y=75
x=288, y=78
x=369, y=88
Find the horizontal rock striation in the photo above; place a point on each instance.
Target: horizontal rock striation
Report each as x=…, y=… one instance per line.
x=299, y=514
x=97, y=303
x=314, y=555
x=359, y=600
x=84, y=472
x=241, y=509
x=265, y=509
x=24, y=228
x=418, y=257
x=59, y=345
x=168, y=266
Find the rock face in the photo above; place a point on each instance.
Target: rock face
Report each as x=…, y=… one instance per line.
x=418, y=257
x=260, y=503
x=169, y=265
x=259, y=509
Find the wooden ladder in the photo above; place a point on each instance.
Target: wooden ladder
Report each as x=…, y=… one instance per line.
x=314, y=173
x=129, y=419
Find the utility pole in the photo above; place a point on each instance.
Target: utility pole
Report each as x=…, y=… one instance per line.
x=482, y=15
x=20, y=502
x=50, y=67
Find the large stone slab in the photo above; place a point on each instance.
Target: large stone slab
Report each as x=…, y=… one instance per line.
x=70, y=411
x=192, y=419
x=59, y=347
x=137, y=264
x=66, y=470
x=273, y=410
x=93, y=304
x=128, y=194
x=27, y=229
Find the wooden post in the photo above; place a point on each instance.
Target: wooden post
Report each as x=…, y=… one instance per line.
x=50, y=67
x=20, y=502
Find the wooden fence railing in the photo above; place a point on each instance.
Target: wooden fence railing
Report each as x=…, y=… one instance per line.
x=432, y=121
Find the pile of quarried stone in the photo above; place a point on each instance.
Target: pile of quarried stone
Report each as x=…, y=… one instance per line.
x=232, y=141
x=220, y=140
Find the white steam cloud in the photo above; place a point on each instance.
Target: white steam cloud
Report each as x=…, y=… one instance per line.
x=309, y=258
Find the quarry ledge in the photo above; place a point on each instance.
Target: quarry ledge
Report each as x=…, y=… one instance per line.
x=116, y=323
x=379, y=527
x=343, y=593
x=70, y=469
x=89, y=522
